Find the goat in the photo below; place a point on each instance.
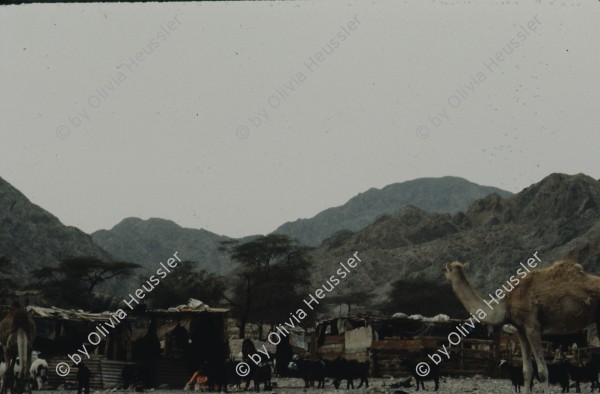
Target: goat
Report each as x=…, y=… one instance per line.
x=515, y=374
x=39, y=372
x=262, y=374
x=340, y=369
x=358, y=370
x=433, y=374
x=587, y=373
x=557, y=374
x=310, y=371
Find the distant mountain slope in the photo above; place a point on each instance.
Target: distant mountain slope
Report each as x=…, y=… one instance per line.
x=31, y=237
x=558, y=217
x=444, y=195
x=147, y=241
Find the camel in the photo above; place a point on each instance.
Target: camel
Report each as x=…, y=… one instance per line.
x=556, y=300
x=17, y=333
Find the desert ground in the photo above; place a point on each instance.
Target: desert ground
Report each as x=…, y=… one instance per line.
x=447, y=386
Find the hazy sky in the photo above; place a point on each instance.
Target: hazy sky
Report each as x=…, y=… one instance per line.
x=231, y=121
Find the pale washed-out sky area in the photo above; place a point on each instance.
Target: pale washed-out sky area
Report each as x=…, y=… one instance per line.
x=239, y=116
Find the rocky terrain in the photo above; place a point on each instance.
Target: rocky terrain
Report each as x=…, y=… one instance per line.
x=557, y=217
x=32, y=237
x=477, y=385
x=448, y=385
x=445, y=195
x=142, y=240
x=145, y=241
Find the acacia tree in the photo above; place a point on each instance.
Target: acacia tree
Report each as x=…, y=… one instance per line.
x=350, y=298
x=426, y=298
x=272, y=275
x=74, y=280
x=187, y=282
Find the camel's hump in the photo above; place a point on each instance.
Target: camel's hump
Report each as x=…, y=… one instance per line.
x=562, y=278
x=561, y=267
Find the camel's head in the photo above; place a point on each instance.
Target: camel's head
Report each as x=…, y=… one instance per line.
x=454, y=269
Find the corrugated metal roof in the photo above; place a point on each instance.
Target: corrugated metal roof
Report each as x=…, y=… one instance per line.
x=79, y=315
x=67, y=314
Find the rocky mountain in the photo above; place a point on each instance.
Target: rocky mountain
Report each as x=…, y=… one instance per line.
x=445, y=195
x=31, y=237
x=144, y=241
x=558, y=217
x=138, y=240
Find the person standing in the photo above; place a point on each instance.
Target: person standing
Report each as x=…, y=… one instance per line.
x=83, y=378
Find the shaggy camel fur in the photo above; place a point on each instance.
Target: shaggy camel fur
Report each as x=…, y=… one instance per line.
x=557, y=300
x=17, y=333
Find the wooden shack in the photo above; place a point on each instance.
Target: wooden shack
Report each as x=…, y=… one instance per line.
x=62, y=332
x=387, y=341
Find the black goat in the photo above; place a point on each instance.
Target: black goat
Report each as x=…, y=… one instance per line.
x=433, y=374
x=221, y=374
x=359, y=370
x=516, y=375
x=262, y=374
x=310, y=371
x=587, y=373
x=340, y=369
x=559, y=374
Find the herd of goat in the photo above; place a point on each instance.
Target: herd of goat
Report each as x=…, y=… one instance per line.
x=559, y=373
x=315, y=372
x=312, y=372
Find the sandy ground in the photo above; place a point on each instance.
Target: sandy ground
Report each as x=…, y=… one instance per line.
x=447, y=386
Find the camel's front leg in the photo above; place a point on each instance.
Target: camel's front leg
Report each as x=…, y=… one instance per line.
x=3, y=383
x=535, y=341
x=11, y=379
x=4, y=377
x=28, y=381
x=526, y=356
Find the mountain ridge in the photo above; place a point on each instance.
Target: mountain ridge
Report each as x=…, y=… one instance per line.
x=365, y=207
x=557, y=216
x=137, y=240
x=32, y=237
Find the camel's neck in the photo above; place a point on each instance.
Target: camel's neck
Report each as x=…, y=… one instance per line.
x=473, y=301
